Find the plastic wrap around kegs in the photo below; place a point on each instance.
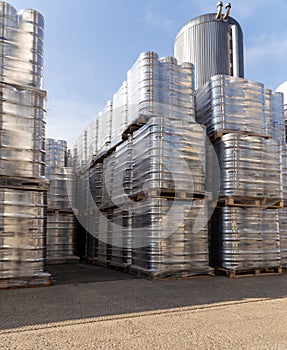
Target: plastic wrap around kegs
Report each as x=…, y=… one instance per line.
x=8, y=21
x=160, y=87
x=120, y=111
x=250, y=166
x=226, y=104
x=56, y=153
x=274, y=106
x=283, y=89
x=169, y=154
x=284, y=172
x=121, y=237
x=22, y=232
x=60, y=195
x=22, y=132
x=243, y=238
x=283, y=235
x=60, y=236
x=105, y=126
x=214, y=46
x=92, y=139
x=22, y=48
x=182, y=249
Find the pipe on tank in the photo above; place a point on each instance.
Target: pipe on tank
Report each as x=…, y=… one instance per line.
x=227, y=13
x=235, y=50
x=219, y=10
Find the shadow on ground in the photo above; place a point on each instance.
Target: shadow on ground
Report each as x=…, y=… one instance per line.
x=84, y=273
x=83, y=291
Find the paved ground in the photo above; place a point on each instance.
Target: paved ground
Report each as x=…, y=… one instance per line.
x=116, y=311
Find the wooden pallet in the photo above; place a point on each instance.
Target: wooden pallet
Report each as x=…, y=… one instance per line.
x=99, y=158
x=122, y=267
x=31, y=184
x=250, y=202
x=248, y=272
x=166, y=193
x=218, y=134
x=141, y=120
x=171, y=275
x=60, y=211
x=41, y=280
x=130, y=130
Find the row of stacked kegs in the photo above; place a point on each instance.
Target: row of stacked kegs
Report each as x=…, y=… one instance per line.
x=145, y=198
x=242, y=120
x=23, y=185
x=60, y=218
x=141, y=199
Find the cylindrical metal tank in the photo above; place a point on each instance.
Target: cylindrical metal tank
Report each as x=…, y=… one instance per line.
x=214, y=46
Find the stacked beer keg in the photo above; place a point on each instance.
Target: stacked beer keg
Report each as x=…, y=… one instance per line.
x=23, y=184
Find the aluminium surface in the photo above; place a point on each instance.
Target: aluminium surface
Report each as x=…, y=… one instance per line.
x=60, y=236
x=121, y=237
x=123, y=173
x=250, y=166
x=22, y=233
x=169, y=157
x=82, y=193
x=160, y=87
x=22, y=132
x=284, y=171
x=105, y=125
x=208, y=44
x=164, y=249
x=243, y=238
x=120, y=111
x=60, y=195
x=95, y=183
x=56, y=152
x=107, y=180
x=283, y=235
x=227, y=104
x=21, y=46
x=154, y=86
x=274, y=103
x=92, y=139
x=91, y=236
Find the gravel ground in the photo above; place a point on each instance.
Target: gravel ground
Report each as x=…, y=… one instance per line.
x=93, y=308
x=246, y=325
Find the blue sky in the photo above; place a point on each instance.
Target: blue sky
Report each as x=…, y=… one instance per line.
x=90, y=45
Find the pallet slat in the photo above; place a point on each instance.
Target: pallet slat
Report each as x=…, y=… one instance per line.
x=41, y=280
x=251, y=202
x=24, y=183
x=230, y=273
x=170, y=275
x=166, y=193
x=218, y=134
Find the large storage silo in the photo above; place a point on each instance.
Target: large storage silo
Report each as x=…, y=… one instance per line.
x=213, y=43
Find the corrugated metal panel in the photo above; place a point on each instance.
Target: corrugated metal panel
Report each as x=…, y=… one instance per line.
x=207, y=43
